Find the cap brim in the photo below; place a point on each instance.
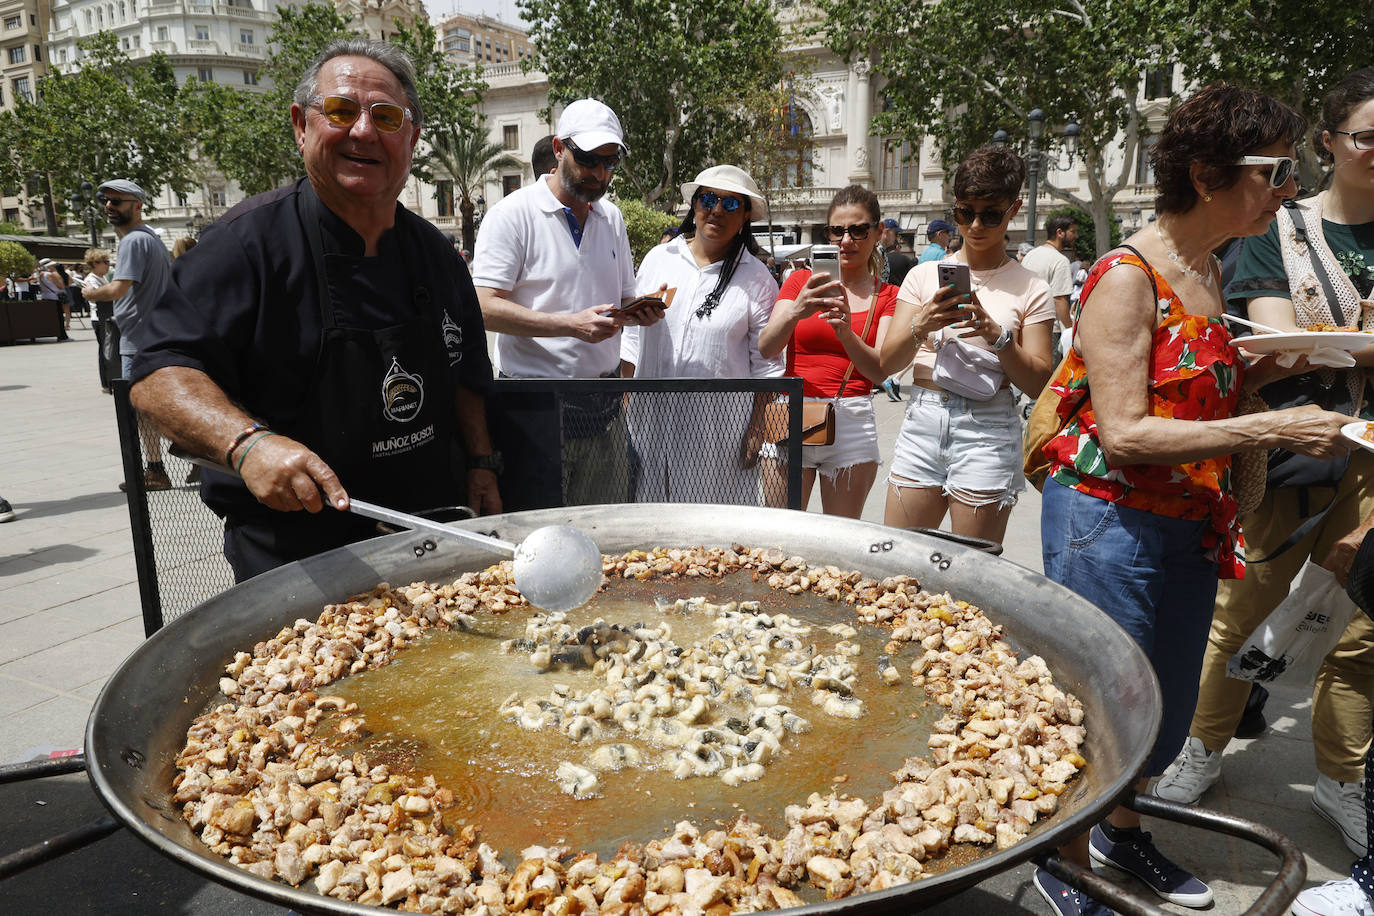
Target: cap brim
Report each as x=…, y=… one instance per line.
x=589, y=140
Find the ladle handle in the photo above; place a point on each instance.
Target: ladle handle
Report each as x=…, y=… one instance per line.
x=415, y=522
x=379, y=513
x=1274, y=900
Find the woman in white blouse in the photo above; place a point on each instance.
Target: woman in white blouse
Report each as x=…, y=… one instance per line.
x=703, y=448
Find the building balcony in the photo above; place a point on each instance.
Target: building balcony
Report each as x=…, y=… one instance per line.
x=257, y=52
x=166, y=47
x=203, y=47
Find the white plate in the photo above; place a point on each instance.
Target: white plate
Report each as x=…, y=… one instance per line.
x=1349, y=341
x=1355, y=433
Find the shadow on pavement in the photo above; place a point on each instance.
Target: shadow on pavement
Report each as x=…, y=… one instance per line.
x=83, y=503
x=117, y=875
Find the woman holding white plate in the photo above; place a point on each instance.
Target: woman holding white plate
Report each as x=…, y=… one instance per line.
x=1314, y=267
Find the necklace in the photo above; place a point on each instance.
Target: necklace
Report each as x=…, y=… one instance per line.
x=980, y=282
x=1204, y=279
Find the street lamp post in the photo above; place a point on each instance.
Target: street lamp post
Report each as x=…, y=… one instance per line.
x=83, y=203
x=1035, y=122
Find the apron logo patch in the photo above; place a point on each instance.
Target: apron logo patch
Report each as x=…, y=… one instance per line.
x=403, y=394
x=453, y=340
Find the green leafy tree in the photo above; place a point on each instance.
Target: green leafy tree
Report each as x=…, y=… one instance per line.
x=674, y=72
x=248, y=134
x=776, y=153
x=644, y=224
x=8, y=228
x=1294, y=51
x=110, y=118
x=996, y=61
x=453, y=144
x=15, y=260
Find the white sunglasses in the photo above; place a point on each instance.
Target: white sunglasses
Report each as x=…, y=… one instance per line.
x=1280, y=167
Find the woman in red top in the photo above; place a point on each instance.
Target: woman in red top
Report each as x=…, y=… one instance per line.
x=819, y=320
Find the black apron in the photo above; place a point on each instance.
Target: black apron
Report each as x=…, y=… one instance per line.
x=380, y=411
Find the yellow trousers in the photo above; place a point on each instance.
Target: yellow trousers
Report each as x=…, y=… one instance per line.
x=1341, y=700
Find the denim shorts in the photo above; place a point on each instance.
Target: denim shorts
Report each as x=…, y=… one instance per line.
x=1149, y=574
x=963, y=446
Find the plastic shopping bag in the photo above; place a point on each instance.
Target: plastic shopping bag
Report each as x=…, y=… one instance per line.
x=1289, y=646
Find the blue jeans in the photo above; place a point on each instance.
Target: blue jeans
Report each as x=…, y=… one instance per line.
x=1149, y=574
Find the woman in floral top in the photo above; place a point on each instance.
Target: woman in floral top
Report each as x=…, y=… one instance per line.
x=1138, y=513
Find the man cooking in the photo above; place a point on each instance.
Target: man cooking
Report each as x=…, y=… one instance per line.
x=322, y=339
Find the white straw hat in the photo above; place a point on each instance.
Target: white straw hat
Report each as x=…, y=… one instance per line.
x=733, y=179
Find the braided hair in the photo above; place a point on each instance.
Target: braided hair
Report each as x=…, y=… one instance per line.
x=741, y=243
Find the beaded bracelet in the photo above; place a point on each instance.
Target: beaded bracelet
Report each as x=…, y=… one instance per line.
x=239, y=468
x=239, y=440
x=919, y=338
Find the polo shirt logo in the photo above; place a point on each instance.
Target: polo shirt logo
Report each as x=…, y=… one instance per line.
x=403, y=394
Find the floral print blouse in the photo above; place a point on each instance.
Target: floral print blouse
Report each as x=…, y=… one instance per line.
x=1195, y=374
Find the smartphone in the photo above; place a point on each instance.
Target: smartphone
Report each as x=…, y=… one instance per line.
x=640, y=302
x=955, y=272
x=826, y=264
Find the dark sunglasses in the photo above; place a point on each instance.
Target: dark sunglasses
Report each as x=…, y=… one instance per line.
x=117, y=201
x=1280, y=167
x=989, y=217
x=592, y=160
x=709, y=199
x=342, y=111
x=858, y=232
x=1363, y=139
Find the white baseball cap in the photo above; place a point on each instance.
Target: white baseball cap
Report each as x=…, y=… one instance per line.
x=590, y=124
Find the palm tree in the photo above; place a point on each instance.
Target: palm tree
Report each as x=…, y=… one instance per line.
x=470, y=158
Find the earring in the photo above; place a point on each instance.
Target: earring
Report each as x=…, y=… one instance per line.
x=1207, y=197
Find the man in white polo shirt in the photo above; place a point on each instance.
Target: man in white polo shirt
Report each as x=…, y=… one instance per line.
x=552, y=266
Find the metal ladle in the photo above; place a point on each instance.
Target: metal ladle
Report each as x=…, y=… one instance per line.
x=556, y=568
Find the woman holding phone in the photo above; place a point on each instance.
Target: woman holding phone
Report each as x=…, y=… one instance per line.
x=975, y=324
x=832, y=326
x=722, y=297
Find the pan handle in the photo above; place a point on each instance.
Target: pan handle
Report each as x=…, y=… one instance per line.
x=21, y=859
x=1272, y=901
x=967, y=540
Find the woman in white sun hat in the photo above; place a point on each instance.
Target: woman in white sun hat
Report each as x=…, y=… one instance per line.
x=722, y=297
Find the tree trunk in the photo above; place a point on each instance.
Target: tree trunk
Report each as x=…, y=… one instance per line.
x=49, y=212
x=465, y=207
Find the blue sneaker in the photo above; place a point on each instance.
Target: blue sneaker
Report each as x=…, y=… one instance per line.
x=1066, y=900
x=1131, y=851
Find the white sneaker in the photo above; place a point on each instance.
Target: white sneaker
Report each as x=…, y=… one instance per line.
x=1195, y=770
x=1342, y=803
x=1334, y=898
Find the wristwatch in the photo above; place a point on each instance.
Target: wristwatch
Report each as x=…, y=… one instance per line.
x=491, y=462
x=1003, y=339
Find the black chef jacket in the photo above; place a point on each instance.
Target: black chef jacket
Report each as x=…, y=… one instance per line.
x=244, y=308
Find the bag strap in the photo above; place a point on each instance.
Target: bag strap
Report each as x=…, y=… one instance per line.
x=1300, y=231
x=863, y=338
x=1303, y=530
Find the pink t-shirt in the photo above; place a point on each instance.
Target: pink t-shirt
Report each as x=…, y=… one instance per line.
x=1012, y=295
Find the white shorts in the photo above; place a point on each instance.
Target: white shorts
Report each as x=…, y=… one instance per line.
x=856, y=439
x=970, y=449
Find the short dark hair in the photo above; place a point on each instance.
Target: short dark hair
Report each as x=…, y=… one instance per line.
x=388, y=55
x=1057, y=223
x=1349, y=94
x=857, y=195
x=1215, y=127
x=542, y=159
x=990, y=172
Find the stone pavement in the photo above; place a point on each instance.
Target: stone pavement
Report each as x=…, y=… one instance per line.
x=69, y=612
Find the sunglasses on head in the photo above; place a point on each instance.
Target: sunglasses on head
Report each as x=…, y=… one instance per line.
x=592, y=160
x=709, y=199
x=989, y=217
x=1280, y=167
x=342, y=111
x=858, y=232
x=1363, y=139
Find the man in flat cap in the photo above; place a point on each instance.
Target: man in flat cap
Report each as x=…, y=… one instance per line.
x=141, y=272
